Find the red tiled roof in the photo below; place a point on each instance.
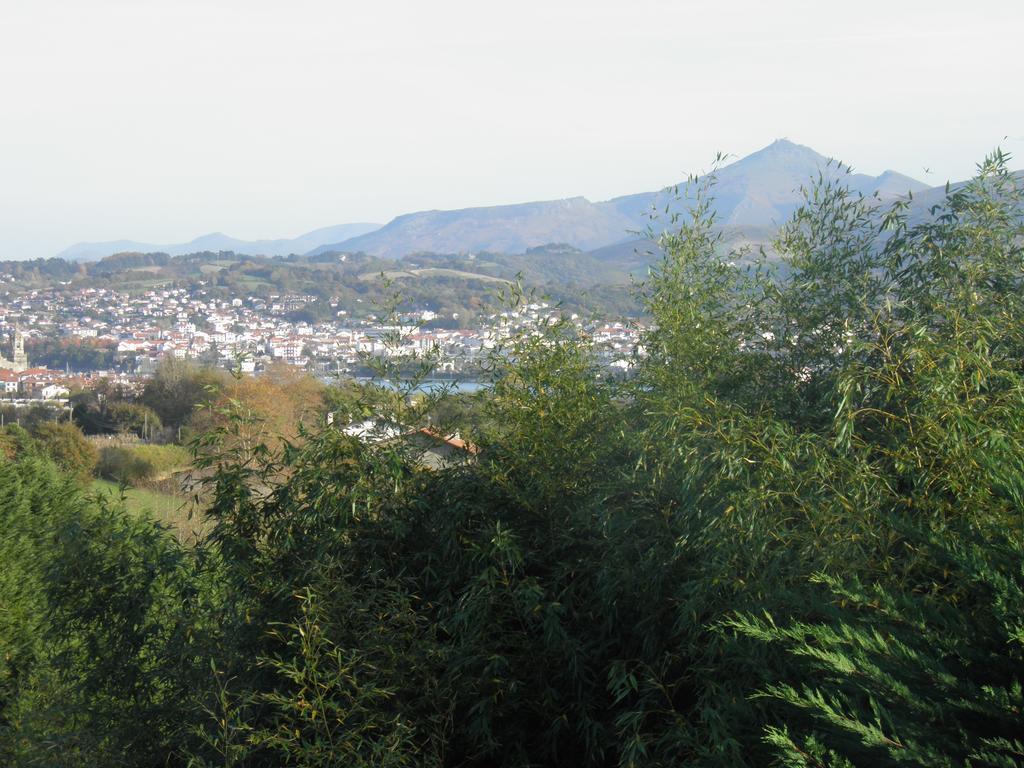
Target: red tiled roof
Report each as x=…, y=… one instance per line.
x=452, y=440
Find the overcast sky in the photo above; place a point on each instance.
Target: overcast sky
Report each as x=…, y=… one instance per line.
x=160, y=120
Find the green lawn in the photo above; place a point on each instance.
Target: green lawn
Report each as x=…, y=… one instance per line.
x=169, y=509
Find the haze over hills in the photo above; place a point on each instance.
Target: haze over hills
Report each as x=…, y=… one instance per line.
x=759, y=191
x=503, y=228
x=217, y=241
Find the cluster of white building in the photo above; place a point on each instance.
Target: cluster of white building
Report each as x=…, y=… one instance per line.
x=248, y=332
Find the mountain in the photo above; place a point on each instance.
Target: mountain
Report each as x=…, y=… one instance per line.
x=97, y=251
x=502, y=228
x=216, y=241
x=760, y=190
x=764, y=188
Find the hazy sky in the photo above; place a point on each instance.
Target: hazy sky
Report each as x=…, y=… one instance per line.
x=160, y=120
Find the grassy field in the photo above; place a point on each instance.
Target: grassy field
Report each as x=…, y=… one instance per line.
x=251, y=283
x=165, y=459
x=213, y=267
x=395, y=274
x=166, y=508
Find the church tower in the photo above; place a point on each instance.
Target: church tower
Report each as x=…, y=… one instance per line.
x=20, y=361
x=20, y=358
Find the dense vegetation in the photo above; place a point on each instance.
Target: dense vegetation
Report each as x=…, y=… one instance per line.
x=793, y=537
x=455, y=286
x=75, y=355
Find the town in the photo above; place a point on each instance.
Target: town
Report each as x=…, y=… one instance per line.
x=60, y=340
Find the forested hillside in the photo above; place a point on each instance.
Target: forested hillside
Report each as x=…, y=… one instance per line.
x=447, y=283
x=792, y=536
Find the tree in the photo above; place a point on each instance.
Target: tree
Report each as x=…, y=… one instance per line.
x=899, y=676
x=115, y=416
x=924, y=664
x=177, y=387
x=67, y=446
x=275, y=407
x=102, y=649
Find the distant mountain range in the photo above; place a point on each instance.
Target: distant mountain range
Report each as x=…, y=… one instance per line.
x=217, y=241
x=758, y=191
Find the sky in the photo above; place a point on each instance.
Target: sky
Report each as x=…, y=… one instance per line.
x=161, y=120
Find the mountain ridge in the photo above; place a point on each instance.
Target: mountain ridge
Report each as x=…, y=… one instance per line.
x=218, y=241
x=761, y=189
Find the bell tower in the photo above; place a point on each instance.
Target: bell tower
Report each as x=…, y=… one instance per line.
x=20, y=361
x=20, y=358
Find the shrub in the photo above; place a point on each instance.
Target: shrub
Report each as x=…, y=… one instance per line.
x=124, y=464
x=163, y=458
x=134, y=464
x=177, y=387
x=100, y=644
x=67, y=446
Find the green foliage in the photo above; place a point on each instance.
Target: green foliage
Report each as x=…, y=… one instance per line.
x=28, y=494
x=118, y=594
x=32, y=416
x=65, y=444
x=332, y=707
x=123, y=464
x=76, y=355
x=97, y=630
x=898, y=676
x=163, y=458
x=793, y=536
x=178, y=387
x=134, y=464
x=449, y=284
x=15, y=441
x=114, y=416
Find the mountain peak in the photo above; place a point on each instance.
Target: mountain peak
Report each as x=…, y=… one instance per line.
x=759, y=190
x=784, y=151
x=210, y=236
